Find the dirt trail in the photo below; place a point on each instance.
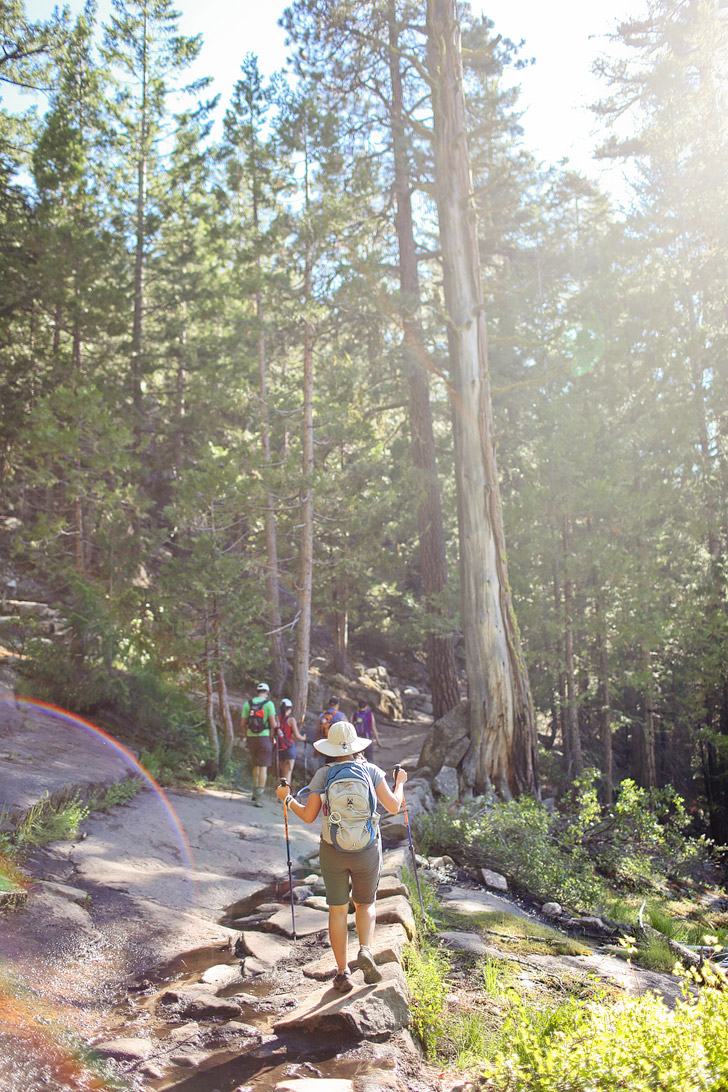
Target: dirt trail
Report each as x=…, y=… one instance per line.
x=148, y=883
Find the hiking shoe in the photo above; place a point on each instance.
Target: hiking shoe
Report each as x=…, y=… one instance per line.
x=342, y=982
x=365, y=963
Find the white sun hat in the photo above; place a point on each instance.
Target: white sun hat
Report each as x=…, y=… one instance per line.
x=342, y=740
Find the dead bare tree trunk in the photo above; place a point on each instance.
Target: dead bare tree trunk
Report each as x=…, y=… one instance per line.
x=502, y=726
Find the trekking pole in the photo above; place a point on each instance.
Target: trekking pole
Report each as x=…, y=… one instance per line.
x=288, y=855
x=411, y=844
x=305, y=760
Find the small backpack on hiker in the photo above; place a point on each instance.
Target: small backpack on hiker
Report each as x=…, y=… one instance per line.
x=284, y=732
x=325, y=721
x=362, y=721
x=350, y=806
x=256, y=720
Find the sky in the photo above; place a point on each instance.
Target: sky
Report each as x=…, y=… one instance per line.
x=564, y=37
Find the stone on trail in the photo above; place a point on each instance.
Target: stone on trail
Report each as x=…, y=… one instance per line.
x=191, y=1058
x=222, y=975
x=396, y=910
x=317, y=902
x=464, y=942
x=494, y=880
x=314, y=1084
x=551, y=910
x=125, y=1049
x=302, y=892
x=468, y=901
x=367, y=1013
x=72, y=894
x=387, y=947
x=393, y=860
x=389, y=886
x=394, y=827
x=266, y=948
x=308, y=922
x=209, y=1007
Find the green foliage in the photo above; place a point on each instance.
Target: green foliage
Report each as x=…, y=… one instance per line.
x=426, y=968
x=47, y=821
x=517, y=838
x=638, y=1044
x=568, y=855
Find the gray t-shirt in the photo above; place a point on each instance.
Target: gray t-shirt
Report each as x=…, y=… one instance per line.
x=318, y=784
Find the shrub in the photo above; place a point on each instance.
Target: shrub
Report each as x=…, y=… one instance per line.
x=425, y=969
x=640, y=1045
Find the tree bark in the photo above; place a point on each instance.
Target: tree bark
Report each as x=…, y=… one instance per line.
x=440, y=650
x=304, y=587
x=573, y=755
x=502, y=727
x=279, y=662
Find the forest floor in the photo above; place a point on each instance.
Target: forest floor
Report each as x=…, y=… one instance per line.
x=124, y=924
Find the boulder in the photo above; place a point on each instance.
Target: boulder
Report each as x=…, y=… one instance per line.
x=494, y=880
x=209, y=1007
x=464, y=942
x=445, y=783
x=63, y=891
x=308, y=922
x=221, y=975
x=266, y=948
x=314, y=1084
x=191, y=1059
x=393, y=828
x=302, y=892
x=396, y=911
x=469, y=901
x=551, y=910
x=387, y=947
x=369, y=1012
x=389, y=886
x=448, y=737
x=125, y=1049
x=318, y=902
x=390, y=705
x=394, y=860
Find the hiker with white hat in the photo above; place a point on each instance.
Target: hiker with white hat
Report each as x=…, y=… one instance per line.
x=346, y=790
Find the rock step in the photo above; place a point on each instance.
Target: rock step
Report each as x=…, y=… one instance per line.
x=368, y=1012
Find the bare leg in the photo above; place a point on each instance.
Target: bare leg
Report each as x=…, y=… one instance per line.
x=366, y=919
x=338, y=935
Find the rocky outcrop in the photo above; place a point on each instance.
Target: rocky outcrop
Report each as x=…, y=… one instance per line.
x=448, y=740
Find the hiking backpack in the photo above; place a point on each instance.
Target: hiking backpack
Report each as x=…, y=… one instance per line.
x=350, y=806
x=325, y=722
x=362, y=721
x=256, y=722
x=284, y=735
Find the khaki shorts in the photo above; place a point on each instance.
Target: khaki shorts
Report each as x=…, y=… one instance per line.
x=358, y=871
x=261, y=750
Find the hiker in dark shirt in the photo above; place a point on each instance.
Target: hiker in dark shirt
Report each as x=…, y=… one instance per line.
x=353, y=872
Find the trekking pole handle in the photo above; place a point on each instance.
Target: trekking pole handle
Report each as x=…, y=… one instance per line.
x=395, y=773
x=284, y=781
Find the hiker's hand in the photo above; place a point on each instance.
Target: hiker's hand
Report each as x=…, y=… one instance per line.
x=399, y=780
x=283, y=790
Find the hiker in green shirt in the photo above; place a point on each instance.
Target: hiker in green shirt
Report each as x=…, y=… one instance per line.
x=259, y=721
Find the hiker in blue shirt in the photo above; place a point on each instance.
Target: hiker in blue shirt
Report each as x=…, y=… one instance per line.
x=337, y=792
